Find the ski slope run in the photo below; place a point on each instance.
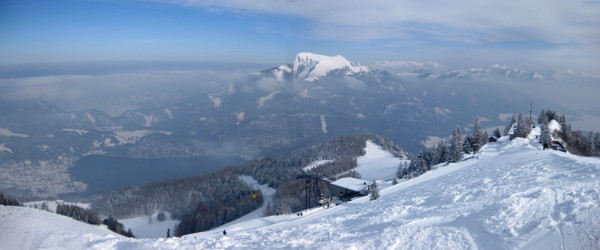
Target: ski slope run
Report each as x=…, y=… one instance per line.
x=510, y=195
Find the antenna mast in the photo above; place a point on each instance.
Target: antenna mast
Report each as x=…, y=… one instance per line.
x=530, y=110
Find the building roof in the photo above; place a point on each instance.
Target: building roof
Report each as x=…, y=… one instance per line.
x=352, y=183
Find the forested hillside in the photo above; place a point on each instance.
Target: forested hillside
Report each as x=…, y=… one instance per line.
x=208, y=201
x=220, y=197
x=282, y=173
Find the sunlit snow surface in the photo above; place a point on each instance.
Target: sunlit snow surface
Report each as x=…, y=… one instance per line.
x=149, y=226
x=377, y=164
x=510, y=195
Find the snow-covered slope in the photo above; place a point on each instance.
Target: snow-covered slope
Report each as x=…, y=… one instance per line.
x=377, y=164
x=510, y=195
x=150, y=226
x=30, y=228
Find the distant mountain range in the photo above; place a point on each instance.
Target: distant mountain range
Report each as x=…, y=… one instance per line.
x=314, y=98
x=311, y=67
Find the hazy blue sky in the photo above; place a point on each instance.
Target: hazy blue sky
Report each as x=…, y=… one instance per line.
x=532, y=34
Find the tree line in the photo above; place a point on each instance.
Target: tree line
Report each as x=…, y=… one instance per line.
x=519, y=126
x=443, y=152
x=8, y=200
x=78, y=213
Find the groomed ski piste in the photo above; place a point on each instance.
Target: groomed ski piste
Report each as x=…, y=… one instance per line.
x=509, y=195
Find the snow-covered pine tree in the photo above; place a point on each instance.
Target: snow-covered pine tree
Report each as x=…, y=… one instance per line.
x=414, y=168
x=530, y=124
x=591, y=147
x=374, y=191
x=401, y=172
x=497, y=133
x=8, y=201
x=455, y=146
x=523, y=127
x=513, y=121
x=542, y=118
x=403, y=168
x=565, y=129
x=597, y=143
x=517, y=129
x=468, y=144
x=479, y=137
x=441, y=153
x=427, y=160
x=161, y=216
x=45, y=206
x=544, y=134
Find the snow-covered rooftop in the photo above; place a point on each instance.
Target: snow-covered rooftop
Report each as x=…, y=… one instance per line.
x=351, y=183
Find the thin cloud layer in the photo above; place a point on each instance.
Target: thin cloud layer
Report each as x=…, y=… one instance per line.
x=117, y=92
x=532, y=34
x=466, y=20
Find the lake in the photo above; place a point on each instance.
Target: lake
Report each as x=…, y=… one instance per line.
x=107, y=173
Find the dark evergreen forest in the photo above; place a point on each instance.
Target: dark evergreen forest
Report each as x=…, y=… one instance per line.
x=205, y=202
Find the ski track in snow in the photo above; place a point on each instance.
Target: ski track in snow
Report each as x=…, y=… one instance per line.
x=377, y=163
x=510, y=195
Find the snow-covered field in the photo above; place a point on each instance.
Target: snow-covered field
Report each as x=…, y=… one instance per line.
x=149, y=226
x=510, y=195
x=30, y=228
x=377, y=164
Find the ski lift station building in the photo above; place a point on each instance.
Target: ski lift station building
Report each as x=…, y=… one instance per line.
x=349, y=187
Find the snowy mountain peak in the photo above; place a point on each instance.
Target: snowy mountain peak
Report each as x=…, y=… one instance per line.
x=310, y=67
